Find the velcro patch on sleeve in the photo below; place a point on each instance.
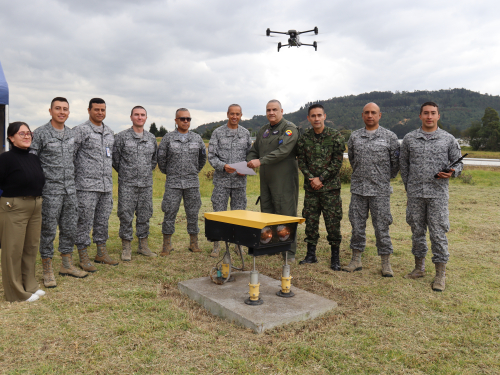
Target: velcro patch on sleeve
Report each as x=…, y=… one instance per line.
x=288, y=132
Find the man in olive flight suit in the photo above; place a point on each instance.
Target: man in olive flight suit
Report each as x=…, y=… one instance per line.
x=320, y=153
x=54, y=143
x=274, y=151
x=134, y=158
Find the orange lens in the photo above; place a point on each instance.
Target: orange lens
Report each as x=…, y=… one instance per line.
x=266, y=235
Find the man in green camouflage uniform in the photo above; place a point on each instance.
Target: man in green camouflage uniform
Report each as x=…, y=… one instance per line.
x=274, y=151
x=320, y=155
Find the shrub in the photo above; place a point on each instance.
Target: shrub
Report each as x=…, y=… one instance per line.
x=345, y=172
x=466, y=178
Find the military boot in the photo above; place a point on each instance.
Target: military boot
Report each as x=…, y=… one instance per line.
x=49, y=280
x=167, y=245
x=68, y=269
x=215, y=251
x=126, y=250
x=386, y=266
x=439, y=281
x=144, y=248
x=103, y=257
x=85, y=263
x=355, y=264
x=310, y=255
x=193, y=243
x=419, y=270
x=335, y=261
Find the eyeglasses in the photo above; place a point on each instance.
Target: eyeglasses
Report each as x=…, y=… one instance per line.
x=188, y=119
x=24, y=134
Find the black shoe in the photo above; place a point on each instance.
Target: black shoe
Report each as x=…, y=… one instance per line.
x=311, y=255
x=335, y=262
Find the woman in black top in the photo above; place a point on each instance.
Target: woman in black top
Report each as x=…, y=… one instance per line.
x=21, y=183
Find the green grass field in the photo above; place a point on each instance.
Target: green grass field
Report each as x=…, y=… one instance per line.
x=131, y=319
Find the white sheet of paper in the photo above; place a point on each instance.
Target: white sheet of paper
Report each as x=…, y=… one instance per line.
x=242, y=168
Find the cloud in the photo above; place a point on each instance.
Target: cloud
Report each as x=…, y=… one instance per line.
x=205, y=55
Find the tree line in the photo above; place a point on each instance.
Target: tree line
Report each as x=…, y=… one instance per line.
x=400, y=110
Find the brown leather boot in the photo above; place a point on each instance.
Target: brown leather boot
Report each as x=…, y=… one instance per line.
x=85, y=263
x=215, y=251
x=419, y=270
x=439, y=281
x=167, y=245
x=49, y=280
x=193, y=243
x=103, y=257
x=386, y=266
x=144, y=248
x=126, y=250
x=355, y=264
x=68, y=269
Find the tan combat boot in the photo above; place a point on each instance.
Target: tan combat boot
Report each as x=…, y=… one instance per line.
x=126, y=250
x=419, y=270
x=215, y=251
x=355, y=264
x=68, y=269
x=144, y=248
x=103, y=257
x=386, y=266
x=439, y=281
x=49, y=280
x=167, y=245
x=85, y=263
x=193, y=243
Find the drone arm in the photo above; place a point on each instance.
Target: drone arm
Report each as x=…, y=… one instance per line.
x=308, y=31
x=278, y=32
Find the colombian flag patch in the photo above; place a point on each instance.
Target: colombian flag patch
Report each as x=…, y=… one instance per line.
x=288, y=132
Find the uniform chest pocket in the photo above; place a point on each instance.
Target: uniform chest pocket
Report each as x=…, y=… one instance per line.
x=95, y=142
x=417, y=148
x=53, y=146
x=379, y=146
x=69, y=145
x=225, y=144
x=176, y=147
x=193, y=147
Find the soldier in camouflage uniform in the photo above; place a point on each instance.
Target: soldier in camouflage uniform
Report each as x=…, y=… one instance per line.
x=134, y=158
x=94, y=184
x=229, y=144
x=320, y=153
x=374, y=156
x=425, y=152
x=181, y=156
x=274, y=151
x=53, y=143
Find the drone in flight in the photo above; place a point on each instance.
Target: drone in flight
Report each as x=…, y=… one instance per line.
x=294, y=40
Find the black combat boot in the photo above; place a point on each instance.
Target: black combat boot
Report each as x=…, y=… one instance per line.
x=311, y=254
x=335, y=262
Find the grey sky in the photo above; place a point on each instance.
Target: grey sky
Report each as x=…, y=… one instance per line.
x=206, y=55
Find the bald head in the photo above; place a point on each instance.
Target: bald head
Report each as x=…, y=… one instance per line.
x=371, y=116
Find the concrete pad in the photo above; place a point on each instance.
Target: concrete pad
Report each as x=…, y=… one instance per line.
x=227, y=301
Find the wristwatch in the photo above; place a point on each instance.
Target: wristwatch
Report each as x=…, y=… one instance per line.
x=321, y=179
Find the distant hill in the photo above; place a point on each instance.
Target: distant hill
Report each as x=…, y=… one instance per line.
x=458, y=108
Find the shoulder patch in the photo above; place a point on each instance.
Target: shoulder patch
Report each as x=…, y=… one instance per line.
x=288, y=132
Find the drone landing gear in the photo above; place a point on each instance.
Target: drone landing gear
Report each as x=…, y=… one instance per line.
x=282, y=45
